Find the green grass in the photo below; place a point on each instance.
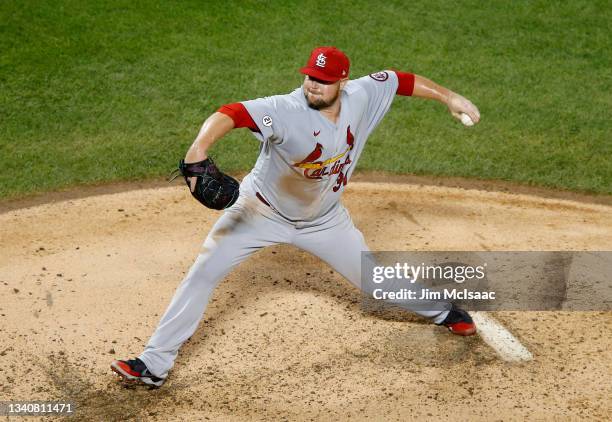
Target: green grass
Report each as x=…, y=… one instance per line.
x=102, y=91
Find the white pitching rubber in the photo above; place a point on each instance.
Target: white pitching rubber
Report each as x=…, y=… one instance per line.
x=500, y=339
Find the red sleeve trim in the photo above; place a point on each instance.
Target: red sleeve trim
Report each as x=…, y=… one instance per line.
x=240, y=116
x=406, y=83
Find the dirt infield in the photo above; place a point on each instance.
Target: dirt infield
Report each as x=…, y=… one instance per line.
x=84, y=281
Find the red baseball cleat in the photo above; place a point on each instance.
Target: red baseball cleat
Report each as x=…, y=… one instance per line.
x=136, y=370
x=459, y=322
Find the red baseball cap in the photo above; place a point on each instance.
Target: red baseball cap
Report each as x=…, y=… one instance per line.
x=328, y=64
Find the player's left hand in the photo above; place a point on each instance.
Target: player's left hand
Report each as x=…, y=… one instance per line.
x=458, y=105
x=211, y=187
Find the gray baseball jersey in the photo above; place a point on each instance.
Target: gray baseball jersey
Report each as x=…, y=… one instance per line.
x=306, y=160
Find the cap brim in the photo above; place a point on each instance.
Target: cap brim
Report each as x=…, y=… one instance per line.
x=316, y=73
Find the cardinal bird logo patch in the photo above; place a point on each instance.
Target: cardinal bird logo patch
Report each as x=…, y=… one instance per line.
x=315, y=168
x=350, y=139
x=311, y=159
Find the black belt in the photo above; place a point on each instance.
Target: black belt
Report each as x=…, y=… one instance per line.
x=261, y=198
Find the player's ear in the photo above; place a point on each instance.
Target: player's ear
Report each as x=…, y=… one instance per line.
x=343, y=82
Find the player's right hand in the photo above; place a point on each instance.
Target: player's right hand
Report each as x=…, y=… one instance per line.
x=458, y=104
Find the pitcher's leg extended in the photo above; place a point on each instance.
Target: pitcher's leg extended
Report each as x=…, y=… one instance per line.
x=340, y=243
x=234, y=237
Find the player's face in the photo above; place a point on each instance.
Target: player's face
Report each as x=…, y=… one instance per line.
x=320, y=94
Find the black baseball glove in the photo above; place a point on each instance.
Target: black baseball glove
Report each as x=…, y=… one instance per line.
x=213, y=188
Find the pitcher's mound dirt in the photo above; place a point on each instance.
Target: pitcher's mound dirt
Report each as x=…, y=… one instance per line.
x=85, y=281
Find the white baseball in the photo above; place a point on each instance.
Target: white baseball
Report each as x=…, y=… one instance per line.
x=466, y=120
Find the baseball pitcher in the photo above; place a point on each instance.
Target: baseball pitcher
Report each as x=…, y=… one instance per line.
x=311, y=140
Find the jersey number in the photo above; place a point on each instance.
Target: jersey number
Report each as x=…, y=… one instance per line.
x=340, y=181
